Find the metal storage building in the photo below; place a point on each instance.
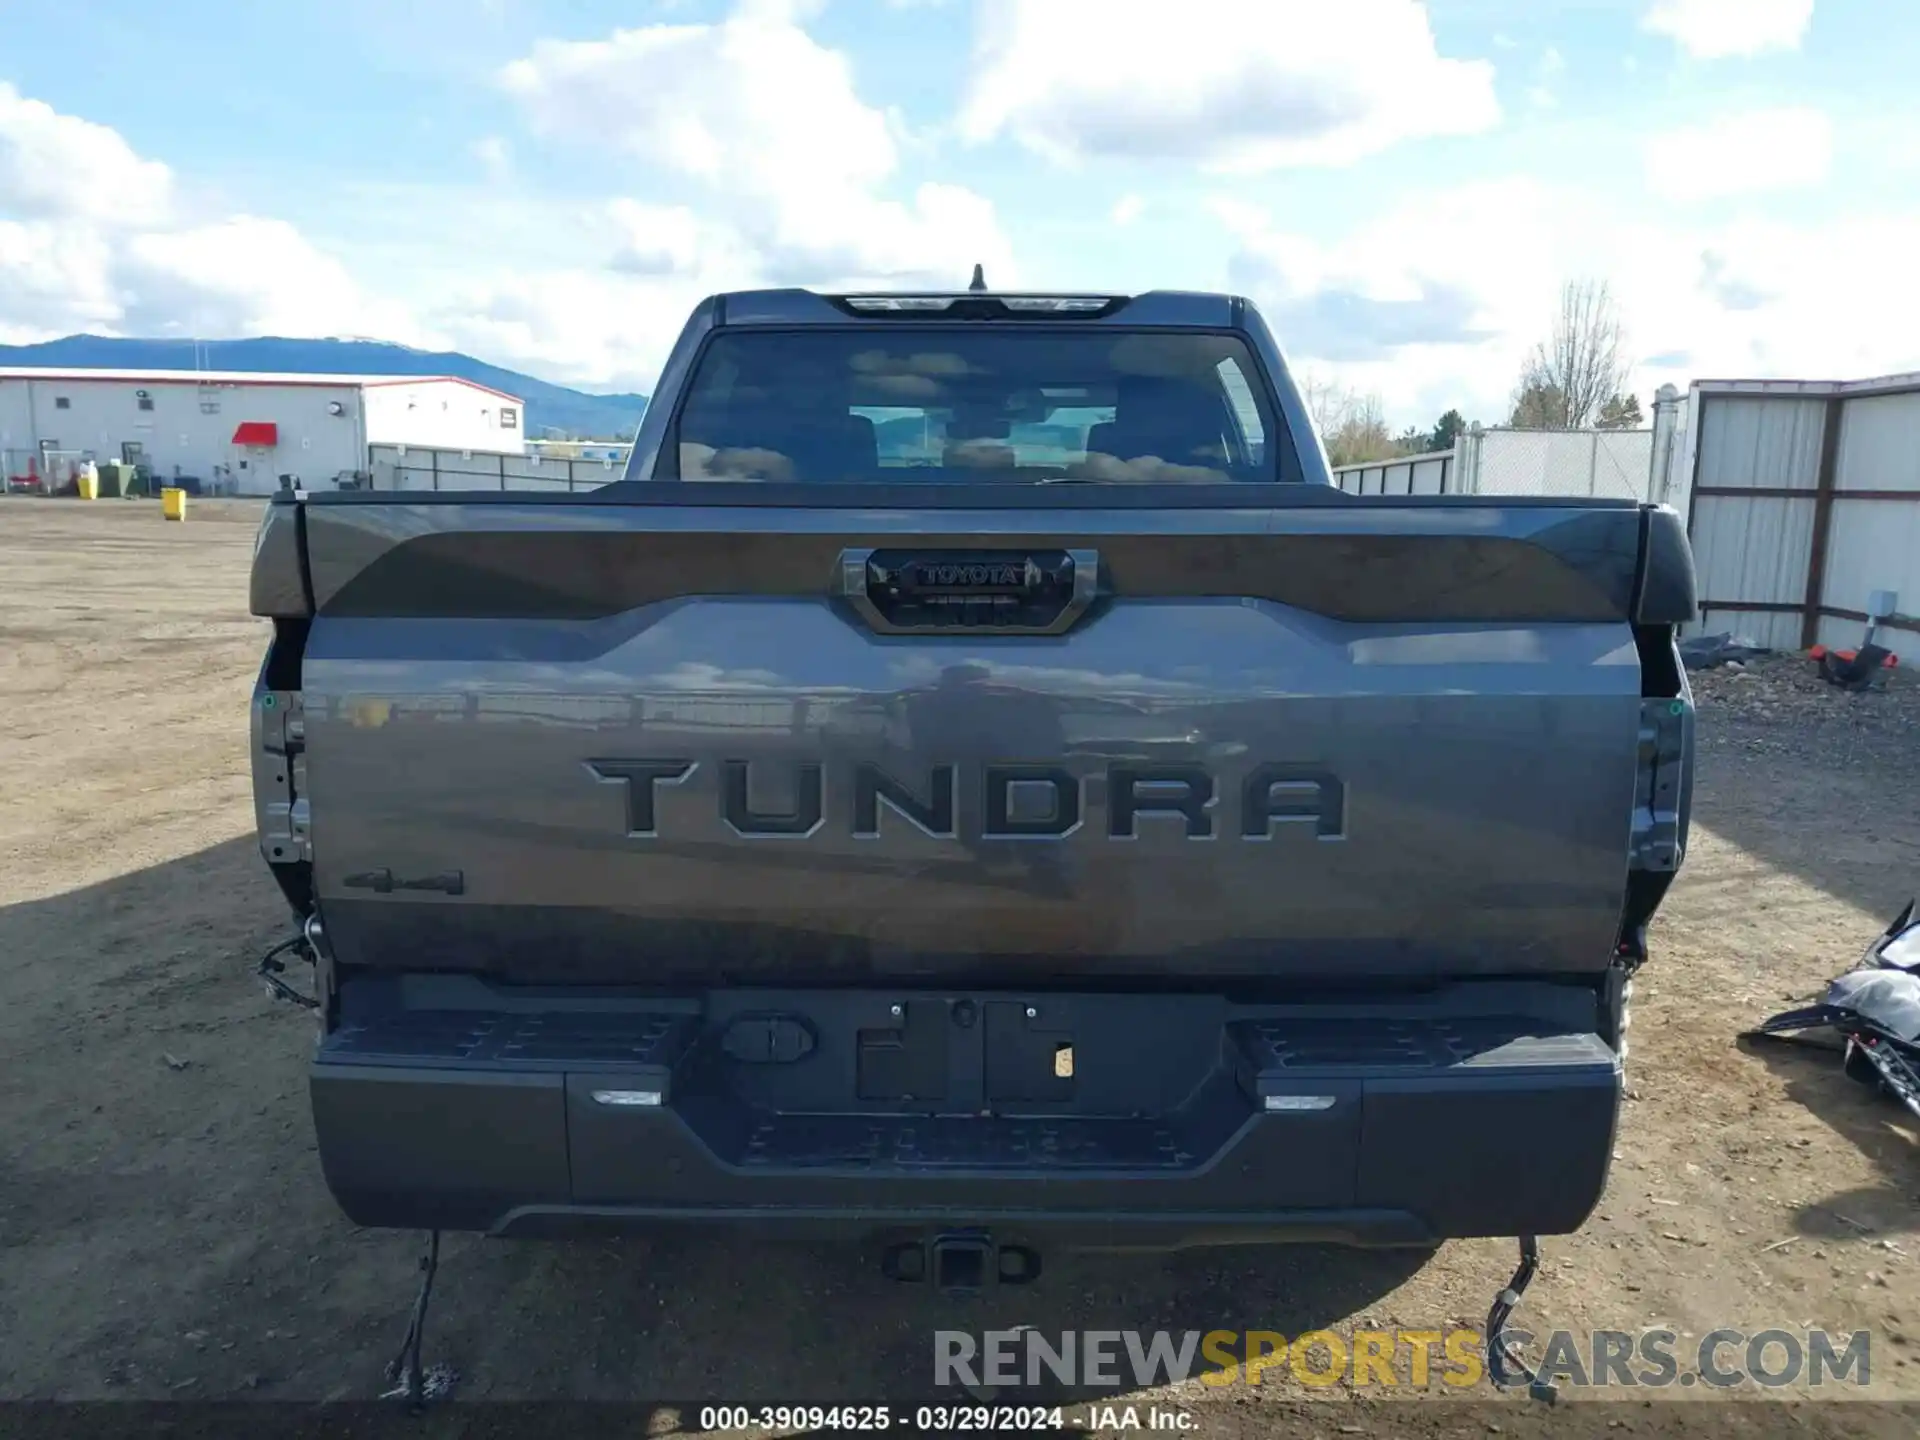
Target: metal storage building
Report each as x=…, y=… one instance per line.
x=237, y=432
x=1803, y=505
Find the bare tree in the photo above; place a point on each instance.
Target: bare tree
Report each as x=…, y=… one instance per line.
x=1569, y=378
x=1361, y=434
x=1352, y=426
x=1326, y=401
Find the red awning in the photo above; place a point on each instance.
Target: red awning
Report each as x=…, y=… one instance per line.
x=257, y=432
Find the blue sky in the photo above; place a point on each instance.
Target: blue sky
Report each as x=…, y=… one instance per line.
x=551, y=183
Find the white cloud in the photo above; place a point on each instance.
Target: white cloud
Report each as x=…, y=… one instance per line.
x=783, y=174
x=55, y=278
x=55, y=166
x=1127, y=209
x=658, y=239
x=1551, y=67
x=95, y=237
x=1721, y=29
x=580, y=326
x=1434, y=302
x=494, y=155
x=1234, y=85
x=243, y=276
x=1785, y=149
x=768, y=122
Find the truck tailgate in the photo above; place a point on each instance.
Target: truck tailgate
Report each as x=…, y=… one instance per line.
x=724, y=743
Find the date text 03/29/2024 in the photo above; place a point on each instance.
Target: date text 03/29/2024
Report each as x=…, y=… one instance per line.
x=956, y=1419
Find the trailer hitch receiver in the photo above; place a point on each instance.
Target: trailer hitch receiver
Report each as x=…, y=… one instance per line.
x=961, y=1263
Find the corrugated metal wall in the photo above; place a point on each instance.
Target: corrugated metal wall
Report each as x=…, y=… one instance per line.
x=1755, y=441
x=1874, y=544
x=1753, y=549
x=1758, y=510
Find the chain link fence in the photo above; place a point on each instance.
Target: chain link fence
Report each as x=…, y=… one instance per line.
x=1606, y=464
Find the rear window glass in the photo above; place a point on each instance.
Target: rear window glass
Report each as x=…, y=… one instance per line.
x=952, y=405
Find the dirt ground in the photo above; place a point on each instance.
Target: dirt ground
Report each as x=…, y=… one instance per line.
x=165, y=1233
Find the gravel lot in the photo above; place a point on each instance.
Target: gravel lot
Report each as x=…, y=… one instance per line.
x=164, y=1232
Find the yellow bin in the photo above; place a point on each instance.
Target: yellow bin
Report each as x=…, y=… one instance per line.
x=87, y=485
x=173, y=503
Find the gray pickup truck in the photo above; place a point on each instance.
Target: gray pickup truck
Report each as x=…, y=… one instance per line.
x=972, y=782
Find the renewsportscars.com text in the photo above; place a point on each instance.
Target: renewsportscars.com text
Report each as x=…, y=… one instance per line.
x=1402, y=1358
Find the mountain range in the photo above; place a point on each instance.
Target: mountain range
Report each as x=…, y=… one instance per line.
x=549, y=408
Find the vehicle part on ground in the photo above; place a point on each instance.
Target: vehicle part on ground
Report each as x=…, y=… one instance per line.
x=1871, y=1013
x=1861, y=669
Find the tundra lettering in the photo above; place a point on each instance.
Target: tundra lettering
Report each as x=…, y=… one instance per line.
x=1011, y=808
x=640, y=796
x=871, y=785
x=803, y=819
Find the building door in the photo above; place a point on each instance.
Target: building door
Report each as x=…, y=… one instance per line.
x=133, y=452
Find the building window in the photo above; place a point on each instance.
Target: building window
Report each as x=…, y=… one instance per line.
x=509, y=417
x=61, y=402
x=145, y=402
x=209, y=407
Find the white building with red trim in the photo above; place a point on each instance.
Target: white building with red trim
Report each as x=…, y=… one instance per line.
x=238, y=432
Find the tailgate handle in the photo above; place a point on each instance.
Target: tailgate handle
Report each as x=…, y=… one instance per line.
x=381, y=882
x=900, y=591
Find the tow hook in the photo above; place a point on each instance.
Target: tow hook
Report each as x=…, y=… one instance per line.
x=960, y=1264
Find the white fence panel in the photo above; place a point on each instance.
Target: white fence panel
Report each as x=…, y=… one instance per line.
x=1608, y=464
x=408, y=467
x=1406, y=475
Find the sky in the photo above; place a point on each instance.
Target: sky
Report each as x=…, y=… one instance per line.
x=1402, y=187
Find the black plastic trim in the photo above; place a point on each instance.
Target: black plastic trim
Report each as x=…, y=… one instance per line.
x=1580, y=571
x=278, y=585
x=1667, y=590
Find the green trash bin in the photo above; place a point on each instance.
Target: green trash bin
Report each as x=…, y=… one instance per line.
x=116, y=479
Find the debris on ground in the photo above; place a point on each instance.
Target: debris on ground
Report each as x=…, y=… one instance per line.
x=1777, y=704
x=1707, y=652
x=1872, y=1013
x=1863, y=669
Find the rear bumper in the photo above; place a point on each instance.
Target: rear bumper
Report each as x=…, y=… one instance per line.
x=1368, y=1127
